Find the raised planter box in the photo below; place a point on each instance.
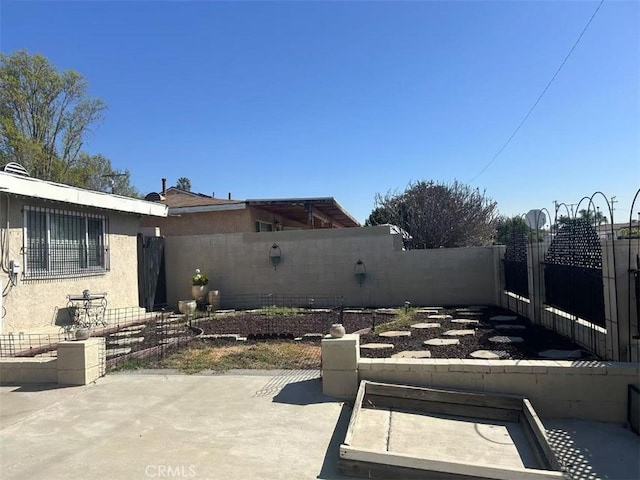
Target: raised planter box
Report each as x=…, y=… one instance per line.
x=399, y=431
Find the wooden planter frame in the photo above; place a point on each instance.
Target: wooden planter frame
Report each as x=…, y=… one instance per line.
x=368, y=463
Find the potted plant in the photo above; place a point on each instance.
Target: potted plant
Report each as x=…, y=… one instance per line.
x=199, y=285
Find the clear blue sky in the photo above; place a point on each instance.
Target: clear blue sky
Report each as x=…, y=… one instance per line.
x=346, y=99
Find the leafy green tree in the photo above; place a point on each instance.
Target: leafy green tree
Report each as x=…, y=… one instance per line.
x=45, y=115
x=593, y=217
x=508, y=227
x=184, y=183
x=95, y=172
x=439, y=215
x=45, y=118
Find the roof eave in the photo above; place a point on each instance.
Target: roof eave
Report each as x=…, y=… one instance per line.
x=57, y=192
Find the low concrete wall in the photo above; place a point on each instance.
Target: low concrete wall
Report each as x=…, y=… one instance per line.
x=19, y=371
x=557, y=389
x=588, y=390
x=78, y=363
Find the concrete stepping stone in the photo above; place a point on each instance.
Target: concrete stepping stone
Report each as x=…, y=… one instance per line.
x=506, y=339
x=395, y=334
x=427, y=310
x=412, y=354
x=432, y=308
x=560, y=354
x=125, y=334
x=468, y=310
x=116, y=352
x=440, y=317
x=477, y=307
x=465, y=321
x=425, y=325
x=503, y=318
x=511, y=327
x=459, y=333
x=126, y=341
x=313, y=336
x=441, y=341
x=132, y=328
x=469, y=314
x=489, y=354
x=377, y=346
x=319, y=310
x=171, y=331
x=364, y=331
x=221, y=336
x=386, y=311
x=353, y=310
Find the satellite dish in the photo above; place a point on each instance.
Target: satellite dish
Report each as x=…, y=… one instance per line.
x=153, y=197
x=535, y=219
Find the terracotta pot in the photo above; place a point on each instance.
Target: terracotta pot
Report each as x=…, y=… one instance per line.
x=337, y=330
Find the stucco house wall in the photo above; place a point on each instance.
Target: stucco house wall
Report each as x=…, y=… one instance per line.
x=30, y=304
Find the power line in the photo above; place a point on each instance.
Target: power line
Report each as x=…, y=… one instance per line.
x=535, y=104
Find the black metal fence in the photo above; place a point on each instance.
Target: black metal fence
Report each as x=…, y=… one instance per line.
x=29, y=344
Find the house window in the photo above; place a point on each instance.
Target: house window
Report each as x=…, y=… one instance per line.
x=60, y=243
x=263, y=226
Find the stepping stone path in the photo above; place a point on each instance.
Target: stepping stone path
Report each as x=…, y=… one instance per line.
x=395, y=333
x=459, y=333
x=503, y=318
x=505, y=339
x=440, y=317
x=442, y=341
x=489, y=354
x=511, y=327
x=466, y=321
x=561, y=354
x=425, y=325
x=378, y=346
x=412, y=354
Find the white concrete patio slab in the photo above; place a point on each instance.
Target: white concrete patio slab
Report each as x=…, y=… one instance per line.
x=133, y=426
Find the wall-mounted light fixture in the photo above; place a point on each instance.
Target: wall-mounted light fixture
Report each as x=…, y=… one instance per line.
x=360, y=271
x=275, y=255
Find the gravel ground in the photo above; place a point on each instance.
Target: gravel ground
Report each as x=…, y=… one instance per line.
x=536, y=338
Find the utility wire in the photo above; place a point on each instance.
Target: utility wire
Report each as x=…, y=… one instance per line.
x=535, y=104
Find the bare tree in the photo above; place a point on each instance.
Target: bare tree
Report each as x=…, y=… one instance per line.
x=438, y=215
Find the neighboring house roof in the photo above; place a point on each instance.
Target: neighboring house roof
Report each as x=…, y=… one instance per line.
x=42, y=189
x=296, y=209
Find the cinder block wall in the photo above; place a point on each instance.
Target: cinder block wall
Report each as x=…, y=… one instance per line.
x=557, y=389
x=322, y=262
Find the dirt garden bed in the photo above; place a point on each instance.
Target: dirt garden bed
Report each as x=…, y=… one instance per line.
x=305, y=325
